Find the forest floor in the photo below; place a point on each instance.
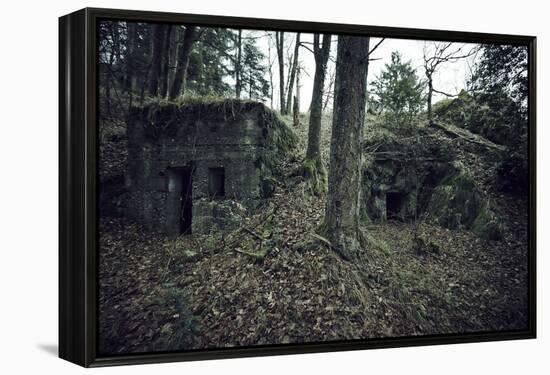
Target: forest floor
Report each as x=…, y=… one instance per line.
x=158, y=293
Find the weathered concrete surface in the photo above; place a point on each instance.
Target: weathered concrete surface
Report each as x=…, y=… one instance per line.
x=424, y=180
x=166, y=142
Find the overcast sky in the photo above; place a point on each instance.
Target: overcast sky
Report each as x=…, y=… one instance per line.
x=450, y=77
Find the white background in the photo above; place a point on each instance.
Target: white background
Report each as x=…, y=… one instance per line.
x=28, y=185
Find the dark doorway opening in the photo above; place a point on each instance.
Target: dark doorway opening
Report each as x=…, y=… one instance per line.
x=186, y=210
x=179, y=210
x=394, y=203
x=216, y=182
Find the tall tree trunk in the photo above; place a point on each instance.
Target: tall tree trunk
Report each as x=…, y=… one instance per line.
x=295, y=112
x=178, y=87
x=145, y=52
x=350, y=96
x=108, y=83
x=321, y=59
x=314, y=170
x=166, y=62
x=156, y=59
x=270, y=73
x=129, y=81
x=116, y=39
x=238, y=67
x=271, y=89
x=292, y=74
x=298, y=85
x=430, y=94
x=296, y=104
x=287, y=84
x=280, y=41
x=329, y=91
x=175, y=35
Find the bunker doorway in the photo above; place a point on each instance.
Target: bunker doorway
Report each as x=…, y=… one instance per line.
x=186, y=210
x=394, y=203
x=179, y=216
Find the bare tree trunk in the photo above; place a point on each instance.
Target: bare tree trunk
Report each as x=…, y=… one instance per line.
x=270, y=74
x=108, y=81
x=166, y=62
x=116, y=39
x=430, y=94
x=156, y=59
x=296, y=104
x=295, y=113
x=280, y=40
x=141, y=76
x=329, y=91
x=443, y=52
x=321, y=59
x=178, y=87
x=292, y=74
x=350, y=96
x=172, y=56
x=313, y=168
x=238, y=67
x=298, y=85
x=108, y=85
x=129, y=81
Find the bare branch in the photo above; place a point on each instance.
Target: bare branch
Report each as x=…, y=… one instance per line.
x=302, y=44
x=444, y=93
x=375, y=47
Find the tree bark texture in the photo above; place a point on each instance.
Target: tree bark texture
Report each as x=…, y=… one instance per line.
x=430, y=94
x=175, y=35
x=350, y=95
x=129, y=82
x=280, y=41
x=321, y=53
x=178, y=87
x=165, y=62
x=156, y=59
x=292, y=77
x=238, y=65
x=296, y=102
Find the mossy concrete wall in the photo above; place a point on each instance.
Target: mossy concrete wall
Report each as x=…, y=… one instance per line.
x=443, y=192
x=426, y=173
x=233, y=135
x=389, y=176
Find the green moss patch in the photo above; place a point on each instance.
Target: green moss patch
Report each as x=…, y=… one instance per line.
x=455, y=203
x=163, y=118
x=315, y=175
x=487, y=225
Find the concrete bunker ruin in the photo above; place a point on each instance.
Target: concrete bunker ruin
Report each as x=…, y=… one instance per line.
x=406, y=181
x=199, y=167
x=390, y=191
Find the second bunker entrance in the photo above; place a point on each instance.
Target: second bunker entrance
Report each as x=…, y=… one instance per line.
x=394, y=205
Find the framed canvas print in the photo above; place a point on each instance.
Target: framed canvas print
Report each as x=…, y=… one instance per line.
x=241, y=187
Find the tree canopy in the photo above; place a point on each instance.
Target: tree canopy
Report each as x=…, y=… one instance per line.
x=398, y=92
x=502, y=69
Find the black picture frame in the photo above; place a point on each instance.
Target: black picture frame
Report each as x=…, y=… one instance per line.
x=78, y=185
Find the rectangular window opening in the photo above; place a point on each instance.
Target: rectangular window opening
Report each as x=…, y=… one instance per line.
x=216, y=182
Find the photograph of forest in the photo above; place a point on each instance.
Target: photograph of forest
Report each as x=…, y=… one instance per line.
x=263, y=187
